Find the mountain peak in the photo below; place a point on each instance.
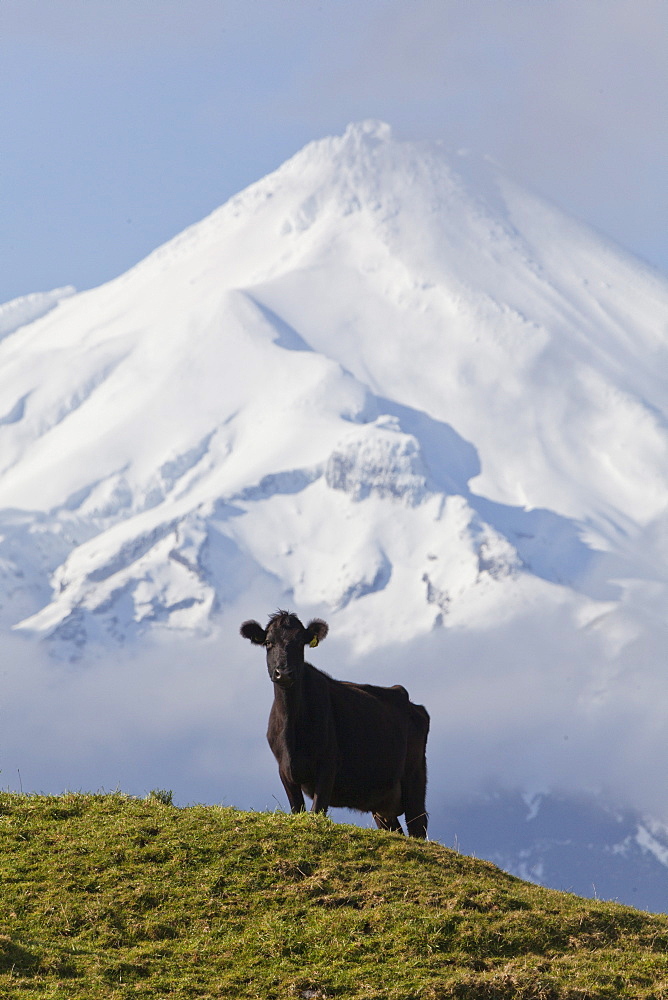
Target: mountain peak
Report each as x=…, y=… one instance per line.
x=370, y=130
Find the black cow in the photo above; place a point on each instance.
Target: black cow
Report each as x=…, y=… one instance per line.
x=343, y=744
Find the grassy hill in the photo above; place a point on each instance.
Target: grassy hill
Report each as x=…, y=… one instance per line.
x=110, y=896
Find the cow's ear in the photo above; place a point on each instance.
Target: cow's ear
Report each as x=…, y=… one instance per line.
x=253, y=630
x=315, y=631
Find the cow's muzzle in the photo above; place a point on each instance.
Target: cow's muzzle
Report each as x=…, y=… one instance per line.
x=284, y=678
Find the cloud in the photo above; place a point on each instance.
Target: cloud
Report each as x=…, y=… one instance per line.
x=537, y=704
x=176, y=716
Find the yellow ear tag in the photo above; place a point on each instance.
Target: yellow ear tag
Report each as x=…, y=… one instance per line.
x=314, y=642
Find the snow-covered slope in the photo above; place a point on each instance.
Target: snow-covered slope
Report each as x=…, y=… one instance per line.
x=386, y=378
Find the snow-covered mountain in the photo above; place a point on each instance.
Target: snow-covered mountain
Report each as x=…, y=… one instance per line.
x=386, y=380
x=383, y=384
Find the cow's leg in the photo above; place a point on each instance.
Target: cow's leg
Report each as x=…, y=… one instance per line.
x=294, y=793
x=414, y=792
x=417, y=825
x=322, y=793
x=388, y=823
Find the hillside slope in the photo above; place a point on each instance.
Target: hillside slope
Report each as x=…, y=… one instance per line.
x=107, y=896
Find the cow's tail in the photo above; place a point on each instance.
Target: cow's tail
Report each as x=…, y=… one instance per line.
x=414, y=785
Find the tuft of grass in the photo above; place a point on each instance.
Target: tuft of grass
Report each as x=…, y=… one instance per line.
x=163, y=795
x=115, y=897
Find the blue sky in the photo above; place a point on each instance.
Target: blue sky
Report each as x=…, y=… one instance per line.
x=124, y=121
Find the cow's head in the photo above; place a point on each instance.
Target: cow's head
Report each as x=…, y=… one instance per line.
x=284, y=638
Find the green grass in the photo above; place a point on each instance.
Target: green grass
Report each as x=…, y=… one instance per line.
x=110, y=896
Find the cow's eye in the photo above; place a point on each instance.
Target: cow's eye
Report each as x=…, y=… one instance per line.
x=268, y=645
